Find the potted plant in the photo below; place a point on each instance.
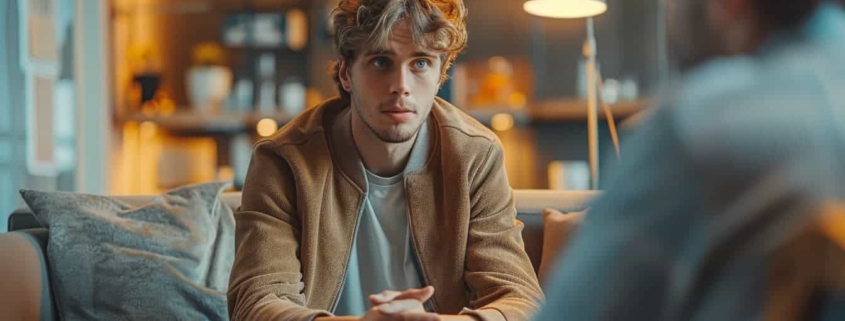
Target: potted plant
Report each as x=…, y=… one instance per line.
x=146, y=76
x=209, y=81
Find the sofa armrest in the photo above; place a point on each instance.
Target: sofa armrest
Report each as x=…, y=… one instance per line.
x=22, y=219
x=26, y=293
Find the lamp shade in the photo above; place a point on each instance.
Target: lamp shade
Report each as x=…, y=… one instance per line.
x=565, y=9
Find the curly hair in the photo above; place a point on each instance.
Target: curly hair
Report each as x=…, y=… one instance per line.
x=438, y=25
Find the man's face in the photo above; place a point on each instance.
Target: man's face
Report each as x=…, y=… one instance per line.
x=393, y=88
x=692, y=39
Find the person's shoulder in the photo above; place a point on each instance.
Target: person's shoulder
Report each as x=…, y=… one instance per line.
x=717, y=84
x=739, y=106
x=746, y=89
x=460, y=127
x=741, y=84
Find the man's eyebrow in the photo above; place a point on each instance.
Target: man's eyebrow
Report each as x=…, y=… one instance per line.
x=425, y=54
x=388, y=52
x=380, y=52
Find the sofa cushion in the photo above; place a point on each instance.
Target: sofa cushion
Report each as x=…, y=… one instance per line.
x=558, y=229
x=168, y=259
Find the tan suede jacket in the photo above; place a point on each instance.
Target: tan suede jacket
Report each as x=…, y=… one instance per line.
x=304, y=192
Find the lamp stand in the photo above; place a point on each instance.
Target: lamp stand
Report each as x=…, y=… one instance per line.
x=592, y=106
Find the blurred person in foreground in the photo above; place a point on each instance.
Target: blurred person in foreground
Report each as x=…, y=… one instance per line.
x=727, y=203
x=385, y=203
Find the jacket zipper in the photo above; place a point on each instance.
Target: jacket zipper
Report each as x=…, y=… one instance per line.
x=349, y=256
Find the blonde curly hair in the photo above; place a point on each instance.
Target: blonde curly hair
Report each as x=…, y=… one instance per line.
x=438, y=25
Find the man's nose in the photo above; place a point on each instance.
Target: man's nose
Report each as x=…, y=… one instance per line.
x=401, y=82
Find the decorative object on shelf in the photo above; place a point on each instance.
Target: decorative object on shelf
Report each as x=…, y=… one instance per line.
x=498, y=88
x=266, y=72
x=242, y=98
x=629, y=90
x=574, y=9
x=265, y=30
x=610, y=91
x=297, y=29
x=292, y=96
x=145, y=65
x=209, y=82
x=144, y=88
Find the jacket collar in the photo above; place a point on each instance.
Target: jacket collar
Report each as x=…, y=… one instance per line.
x=345, y=152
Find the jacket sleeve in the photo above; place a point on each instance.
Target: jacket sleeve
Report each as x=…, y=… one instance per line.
x=498, y=270
x=266, y=279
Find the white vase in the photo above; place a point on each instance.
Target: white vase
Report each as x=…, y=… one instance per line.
x=208, y=87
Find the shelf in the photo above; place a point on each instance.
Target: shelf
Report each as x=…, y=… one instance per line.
x=196, y=123
x=576, y=110
x=557, y=111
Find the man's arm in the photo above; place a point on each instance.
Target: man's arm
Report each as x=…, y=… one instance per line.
x=266, y=280
x=498, y=270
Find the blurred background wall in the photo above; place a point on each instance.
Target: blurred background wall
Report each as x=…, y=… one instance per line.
x=139, y=96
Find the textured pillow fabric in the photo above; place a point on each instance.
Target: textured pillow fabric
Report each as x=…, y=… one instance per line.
x=558, y=229
x=167, y=260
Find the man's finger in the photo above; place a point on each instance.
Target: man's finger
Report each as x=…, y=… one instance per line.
x=418, y=294
x=384, y=297
x=401, y=306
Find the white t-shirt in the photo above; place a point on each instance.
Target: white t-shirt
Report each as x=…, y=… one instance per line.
x=382, y=257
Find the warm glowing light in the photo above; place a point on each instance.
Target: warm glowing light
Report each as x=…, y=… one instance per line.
x=266, y=127
x=565, y=9
x=501, y=122
x=297, y=24
x=148, y=130
x=226, y=174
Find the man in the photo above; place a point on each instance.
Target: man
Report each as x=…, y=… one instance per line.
x=716, y=191
x=386, y=203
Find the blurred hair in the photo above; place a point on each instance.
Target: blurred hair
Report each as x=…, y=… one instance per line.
x=438, y=25
x=785, y=14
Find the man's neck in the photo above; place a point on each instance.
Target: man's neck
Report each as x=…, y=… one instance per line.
x=379, y=157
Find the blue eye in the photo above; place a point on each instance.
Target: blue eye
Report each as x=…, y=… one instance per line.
x=379, y=62
x=421, y=64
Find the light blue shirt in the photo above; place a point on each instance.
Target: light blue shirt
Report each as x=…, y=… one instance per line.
x=382, y=256
x=712, y=184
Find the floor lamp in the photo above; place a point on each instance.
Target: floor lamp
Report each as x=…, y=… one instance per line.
x=574, y=9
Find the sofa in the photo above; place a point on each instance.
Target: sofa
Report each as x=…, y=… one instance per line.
x=26, y=293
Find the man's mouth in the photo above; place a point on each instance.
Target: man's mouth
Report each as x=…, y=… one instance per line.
x=398, y=113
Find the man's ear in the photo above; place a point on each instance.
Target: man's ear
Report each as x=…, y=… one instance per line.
x=343, y=74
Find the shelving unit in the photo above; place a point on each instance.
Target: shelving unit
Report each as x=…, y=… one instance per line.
x=190, y=123
x=557, y=111
x=194, y=123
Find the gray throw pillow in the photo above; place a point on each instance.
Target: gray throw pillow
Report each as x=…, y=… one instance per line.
x=166, y=260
